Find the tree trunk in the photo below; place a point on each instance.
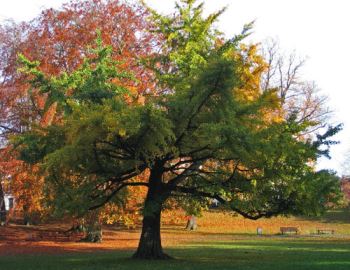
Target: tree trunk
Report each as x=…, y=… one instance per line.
x=93, y=228
x=150, y=245
x=93, y=234
x=191, y=223
x=26, y=216
x=2, y=206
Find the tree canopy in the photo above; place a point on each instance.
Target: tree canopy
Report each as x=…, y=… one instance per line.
x=207, y=131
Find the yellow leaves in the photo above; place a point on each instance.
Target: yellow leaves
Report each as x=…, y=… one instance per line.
x=134, y=97
x=129, y=214
x=26, y=186
x=122, y=132
x=272, y=116
x=274, y=112
x=173, y=216
x=252, y=68
x=141, y=100
x=253, y=183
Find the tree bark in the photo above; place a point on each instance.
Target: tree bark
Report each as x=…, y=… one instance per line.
x=191, y=223
x=150, y=245
x=93, y=234
x=27, y=220
x=2, y=206
x=92, y=227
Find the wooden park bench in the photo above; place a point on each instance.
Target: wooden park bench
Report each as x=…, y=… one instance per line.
x=325, y=231
x=289, y=230
x=56, y=236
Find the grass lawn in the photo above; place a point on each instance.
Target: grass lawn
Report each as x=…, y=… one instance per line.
x=272, y=253
x=222, y=241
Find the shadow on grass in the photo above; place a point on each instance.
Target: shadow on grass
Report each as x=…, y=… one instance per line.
x=340, y=216
x=249, y=254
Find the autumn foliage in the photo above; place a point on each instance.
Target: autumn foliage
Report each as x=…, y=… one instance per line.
x=120, y=108
x=345, y=184
x=59, y=40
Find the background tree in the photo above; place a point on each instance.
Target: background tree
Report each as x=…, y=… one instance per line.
x=209, y=132
x=298, y=96
x=58, y=39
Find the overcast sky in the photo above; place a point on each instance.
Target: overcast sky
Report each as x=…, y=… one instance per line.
x=316, y=29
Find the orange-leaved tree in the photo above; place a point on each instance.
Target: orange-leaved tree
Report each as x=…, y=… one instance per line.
x=60, y=40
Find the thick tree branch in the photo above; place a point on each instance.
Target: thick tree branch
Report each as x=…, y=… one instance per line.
x=114, y=192
x=254, y=215
x=198, y=109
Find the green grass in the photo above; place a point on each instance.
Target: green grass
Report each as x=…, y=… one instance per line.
x=220, y=245
x=272, y=253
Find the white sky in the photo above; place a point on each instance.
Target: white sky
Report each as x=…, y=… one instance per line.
x=316, y=29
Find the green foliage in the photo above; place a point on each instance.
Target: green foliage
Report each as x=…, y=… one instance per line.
x=91, y=83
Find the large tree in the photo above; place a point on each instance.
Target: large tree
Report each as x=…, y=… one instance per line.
x=209, y=131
